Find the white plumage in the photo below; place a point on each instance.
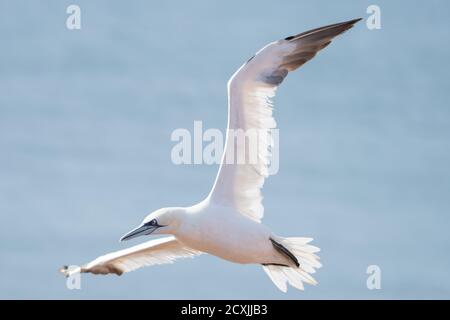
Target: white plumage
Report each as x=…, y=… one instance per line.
x=227, y=223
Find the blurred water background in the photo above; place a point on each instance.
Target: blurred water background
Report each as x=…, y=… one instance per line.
x=86, y=118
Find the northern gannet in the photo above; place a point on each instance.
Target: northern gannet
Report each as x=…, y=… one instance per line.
x=227, y=224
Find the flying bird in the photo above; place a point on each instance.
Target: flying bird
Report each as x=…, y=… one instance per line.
x=227, y=224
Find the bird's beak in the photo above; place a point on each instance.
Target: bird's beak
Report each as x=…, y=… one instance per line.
x=139, y=231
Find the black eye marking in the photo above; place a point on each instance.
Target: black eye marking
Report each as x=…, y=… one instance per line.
x=152, y=223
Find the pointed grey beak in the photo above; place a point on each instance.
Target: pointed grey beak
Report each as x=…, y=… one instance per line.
x=139, y=231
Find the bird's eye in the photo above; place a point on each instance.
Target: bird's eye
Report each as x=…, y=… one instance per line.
x=152, y=223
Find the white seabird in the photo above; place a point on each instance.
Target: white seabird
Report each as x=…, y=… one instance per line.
x=227, y=223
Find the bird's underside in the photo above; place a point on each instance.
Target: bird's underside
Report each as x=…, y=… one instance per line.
x=158, y=252
x=237, y=186
x=293, y=259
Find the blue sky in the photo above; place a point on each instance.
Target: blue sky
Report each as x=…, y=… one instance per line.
x=86, y=118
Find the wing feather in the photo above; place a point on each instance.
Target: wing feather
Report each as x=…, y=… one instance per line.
x=158, y=251
x=250, y=91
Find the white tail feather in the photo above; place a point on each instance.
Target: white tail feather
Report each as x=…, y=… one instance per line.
x=281, y=275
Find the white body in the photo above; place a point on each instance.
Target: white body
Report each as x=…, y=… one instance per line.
x=227, y=234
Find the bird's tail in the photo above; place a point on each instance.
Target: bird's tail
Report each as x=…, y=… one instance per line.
x=295, y=276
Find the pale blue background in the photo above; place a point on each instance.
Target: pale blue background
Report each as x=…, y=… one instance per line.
x=86, y=118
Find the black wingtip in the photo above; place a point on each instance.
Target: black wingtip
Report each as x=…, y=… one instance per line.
x=355, y=20
x=345, y=25
x=64, y=270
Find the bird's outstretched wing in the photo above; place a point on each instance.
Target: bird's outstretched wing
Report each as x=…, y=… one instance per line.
x=158, y=251
x=250, y=91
